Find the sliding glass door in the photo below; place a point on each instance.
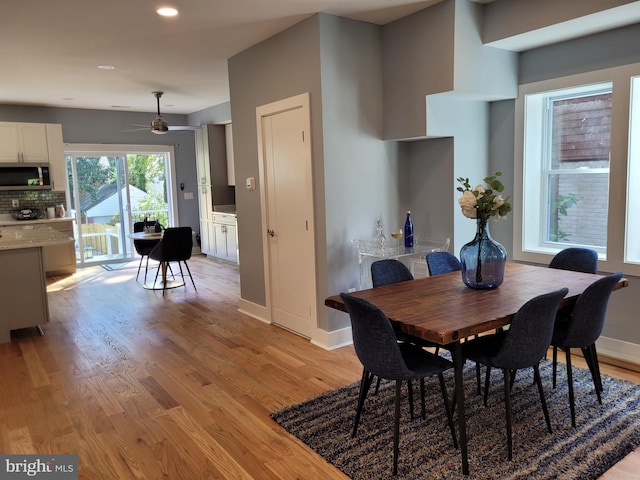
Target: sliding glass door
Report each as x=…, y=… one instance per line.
x=111, y=189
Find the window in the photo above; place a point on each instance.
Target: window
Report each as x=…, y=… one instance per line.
x=110, y=187
x=632, y=244
x=567, y=143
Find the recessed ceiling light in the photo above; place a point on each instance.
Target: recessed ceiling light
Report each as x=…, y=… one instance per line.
x=106, y=67
x=167, y=11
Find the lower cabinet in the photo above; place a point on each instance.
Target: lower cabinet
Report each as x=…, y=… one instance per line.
x=60, y=259
x=207, y=239
x=23, y=291
x=225, y=232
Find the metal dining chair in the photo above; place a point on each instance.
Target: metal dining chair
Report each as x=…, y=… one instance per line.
x=381, y=355
x=523, y=345
x=143, y=247
x=582, y=330
x=175, y=246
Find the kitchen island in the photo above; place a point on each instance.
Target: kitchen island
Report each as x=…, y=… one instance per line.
x=23, y=287
x=58, y=259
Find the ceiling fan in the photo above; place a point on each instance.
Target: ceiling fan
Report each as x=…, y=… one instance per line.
x=159, y=126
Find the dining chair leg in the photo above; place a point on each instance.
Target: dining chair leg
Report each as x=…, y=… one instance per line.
x=572, y=406
x=591, y=357
x=396, y=429
x=378, y=386
x=507, y=405
x=513, y=377
x=487, y=380
x=139, y=266
x=146, y=269
x=448, y=411
x=365, y=383
x=422, y=398
x=555, y=364
x=596, y=364
x=545, y=410
x=410, y=387
x=190, y=276
x=478, y=378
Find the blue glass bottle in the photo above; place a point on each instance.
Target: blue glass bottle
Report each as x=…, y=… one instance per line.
x=408, y=232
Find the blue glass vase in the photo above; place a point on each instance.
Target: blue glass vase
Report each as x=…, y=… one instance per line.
x=483, y=260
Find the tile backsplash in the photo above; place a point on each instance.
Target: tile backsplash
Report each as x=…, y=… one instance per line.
x=31, y=199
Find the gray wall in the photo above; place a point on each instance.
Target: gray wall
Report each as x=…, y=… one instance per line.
x=595, y=52
x=285, y=65
x=357, y=176
x=363, y=175
x=218, y=114
x=418, y=55
x=111, y=127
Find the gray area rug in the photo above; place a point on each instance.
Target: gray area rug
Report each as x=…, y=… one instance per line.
x=603, y=436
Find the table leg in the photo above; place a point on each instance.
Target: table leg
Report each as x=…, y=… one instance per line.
x=462, y=422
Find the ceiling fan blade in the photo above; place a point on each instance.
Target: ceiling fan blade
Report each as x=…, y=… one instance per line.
x=183, y=127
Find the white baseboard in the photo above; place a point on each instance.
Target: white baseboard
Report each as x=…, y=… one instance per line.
x=254, y=310
x=619, y=350
x=320, y=338
x=332, y=340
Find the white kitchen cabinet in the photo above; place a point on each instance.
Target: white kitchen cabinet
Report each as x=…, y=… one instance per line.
x=23, y=142
x=35, y=143
x=226, y=237
x=57, y=163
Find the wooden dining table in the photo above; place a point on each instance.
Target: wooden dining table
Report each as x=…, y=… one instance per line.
x=442, y=309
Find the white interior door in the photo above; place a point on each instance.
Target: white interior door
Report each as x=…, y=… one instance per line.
x=288, y=213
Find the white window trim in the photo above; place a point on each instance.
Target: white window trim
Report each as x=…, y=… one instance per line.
x=616, y=230
x=90, y=148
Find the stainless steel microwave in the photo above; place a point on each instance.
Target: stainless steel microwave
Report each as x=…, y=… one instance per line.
x=25, y=176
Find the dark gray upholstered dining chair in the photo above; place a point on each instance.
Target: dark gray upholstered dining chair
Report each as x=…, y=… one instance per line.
x=175, y=246
x=523, y=345
x=143, y=247
x=386, y=272
x=442, y=262
x=583, y=329
x=576, y=259
x=381, y=355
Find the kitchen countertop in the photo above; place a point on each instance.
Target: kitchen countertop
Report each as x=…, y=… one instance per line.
x=29, y=236
x=7, y=220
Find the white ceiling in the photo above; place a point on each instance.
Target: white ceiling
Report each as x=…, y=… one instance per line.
x=50, y=49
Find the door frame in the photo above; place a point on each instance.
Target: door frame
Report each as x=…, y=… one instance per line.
x=263, y=111
x=91, y=149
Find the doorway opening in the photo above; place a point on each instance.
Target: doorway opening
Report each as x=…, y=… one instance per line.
x=110, y=188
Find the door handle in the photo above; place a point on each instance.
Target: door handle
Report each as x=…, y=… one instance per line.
x=271, y=233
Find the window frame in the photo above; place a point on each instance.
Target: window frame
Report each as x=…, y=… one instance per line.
x=538, y=169
x=619, y=188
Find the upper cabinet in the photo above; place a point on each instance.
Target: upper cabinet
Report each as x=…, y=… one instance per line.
x=23, y=142
x=35, y=143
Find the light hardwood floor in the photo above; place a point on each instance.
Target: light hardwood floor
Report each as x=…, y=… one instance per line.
x=180, y=387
